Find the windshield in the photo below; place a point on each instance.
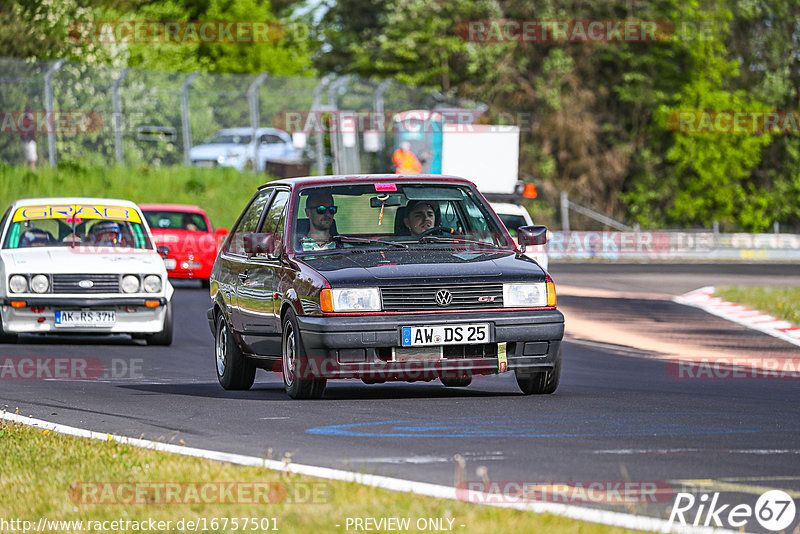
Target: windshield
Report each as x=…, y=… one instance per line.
x=175, y=220
x=392, y=215
x=69, y=225
x=512, y=222
x=229, y=139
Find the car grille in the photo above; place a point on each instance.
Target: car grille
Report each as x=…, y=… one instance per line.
x=423, y=297
x=102, y=283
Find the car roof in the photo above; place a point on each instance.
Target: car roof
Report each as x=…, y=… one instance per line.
x=383, y=178
x=185, y=208
x=509, y=208
x=72, y=200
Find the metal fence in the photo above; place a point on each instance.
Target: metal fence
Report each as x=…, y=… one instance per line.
x=105, y=116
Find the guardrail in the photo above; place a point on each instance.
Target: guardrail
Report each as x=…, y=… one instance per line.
x=670, y=246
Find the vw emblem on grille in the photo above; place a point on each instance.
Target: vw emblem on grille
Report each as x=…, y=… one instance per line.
x=85, y=284
x=443, y=297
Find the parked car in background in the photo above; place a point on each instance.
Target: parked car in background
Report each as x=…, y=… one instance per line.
x=81, y=265
x=238, y=148
x=187, y=232
x=515, y=216
x=381, y=277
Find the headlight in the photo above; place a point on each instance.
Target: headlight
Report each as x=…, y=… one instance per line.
x=18, y=284
x=528, y=295
x=40, y=283
x=352, y=300
x=130, y=283
x=152, y=283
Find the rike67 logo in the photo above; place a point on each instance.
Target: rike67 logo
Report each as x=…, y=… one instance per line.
x=774, y=510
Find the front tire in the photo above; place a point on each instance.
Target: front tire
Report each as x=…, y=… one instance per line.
x=293, y=356
x=164, y=337
x=456, y=382
x=234, y=370
x=541, y=383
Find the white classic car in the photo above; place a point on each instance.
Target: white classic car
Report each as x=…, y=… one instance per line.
x=81, y=265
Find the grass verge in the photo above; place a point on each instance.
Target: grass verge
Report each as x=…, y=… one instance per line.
x=222, y=192
x=780, y=302
x=49, y=475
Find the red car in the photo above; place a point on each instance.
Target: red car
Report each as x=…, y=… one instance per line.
x=187, y=232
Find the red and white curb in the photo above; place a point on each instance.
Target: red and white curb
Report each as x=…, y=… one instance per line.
x=581, y=513
x=704, y=299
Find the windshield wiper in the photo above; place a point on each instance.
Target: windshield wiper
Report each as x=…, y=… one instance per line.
x=350, y=239
x=439, y=239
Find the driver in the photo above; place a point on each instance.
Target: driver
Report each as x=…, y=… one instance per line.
x=106, y=232
x=420, y=216
x=320, y=211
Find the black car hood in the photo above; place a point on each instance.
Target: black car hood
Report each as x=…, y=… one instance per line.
x=399, y=266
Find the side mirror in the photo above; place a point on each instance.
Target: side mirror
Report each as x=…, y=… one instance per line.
x=221, y=232
x=532, y=235
x=162, y=250
x=260, y=244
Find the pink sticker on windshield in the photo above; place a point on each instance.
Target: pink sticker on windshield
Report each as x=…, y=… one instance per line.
x=385, y=187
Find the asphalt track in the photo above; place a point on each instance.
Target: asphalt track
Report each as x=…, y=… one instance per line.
x=618, y=414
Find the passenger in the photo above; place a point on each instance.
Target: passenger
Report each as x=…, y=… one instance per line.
x=188, y=223
x=320, y=211
x=35, y=238
x=420, y=216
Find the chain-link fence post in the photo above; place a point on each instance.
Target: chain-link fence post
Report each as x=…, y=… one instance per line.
x=48, y=106
x=118, y=116
x=316, y=107
x=379, y=111
x=336, y=119
x=185, y=126
x=252, y=99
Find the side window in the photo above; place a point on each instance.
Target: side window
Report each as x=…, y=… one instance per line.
x=273, y=222
x=248, y=223
x=269, y=139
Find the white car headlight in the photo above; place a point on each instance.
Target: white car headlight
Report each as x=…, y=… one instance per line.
x=525, y=295
x=152, y=283
x=130, y=283
x=356, y=299
x=40, y=283
x=18, y=284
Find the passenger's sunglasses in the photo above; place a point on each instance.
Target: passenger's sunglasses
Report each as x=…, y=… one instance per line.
x=322, y=209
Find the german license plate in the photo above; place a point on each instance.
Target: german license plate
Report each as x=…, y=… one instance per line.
x=66, y=319
x=456, y=334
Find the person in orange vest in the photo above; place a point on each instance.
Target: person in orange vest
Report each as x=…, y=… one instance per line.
x=405, y=162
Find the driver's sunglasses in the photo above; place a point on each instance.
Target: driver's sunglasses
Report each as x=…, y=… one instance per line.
x=322, y=209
